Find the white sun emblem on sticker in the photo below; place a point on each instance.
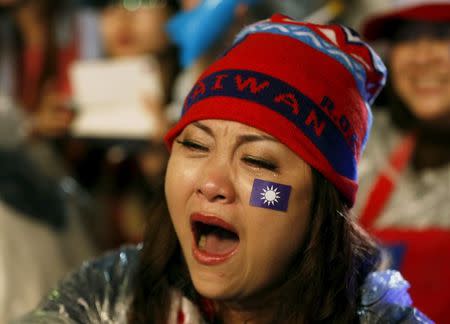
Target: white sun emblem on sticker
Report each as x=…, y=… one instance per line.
x=270, y=195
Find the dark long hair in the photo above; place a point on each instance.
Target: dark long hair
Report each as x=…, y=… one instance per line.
x=321, y=285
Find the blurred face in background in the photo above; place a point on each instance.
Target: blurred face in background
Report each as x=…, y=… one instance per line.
x=420, y=69
x=137, y=32
x=116, y=28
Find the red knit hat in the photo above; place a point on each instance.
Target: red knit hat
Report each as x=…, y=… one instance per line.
x=379, y=25
x=307, y=85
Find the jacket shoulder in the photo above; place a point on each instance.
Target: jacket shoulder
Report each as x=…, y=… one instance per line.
x=100, y=291
x=385, y=299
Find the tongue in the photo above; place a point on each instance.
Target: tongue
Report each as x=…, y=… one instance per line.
x=216, y=244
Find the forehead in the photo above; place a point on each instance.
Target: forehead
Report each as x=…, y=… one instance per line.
x=227, y=128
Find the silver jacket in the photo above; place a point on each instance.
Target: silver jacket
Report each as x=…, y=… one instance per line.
x=101, y=292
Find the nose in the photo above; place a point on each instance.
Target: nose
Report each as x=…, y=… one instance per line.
x=216, y=184
x=426, y=50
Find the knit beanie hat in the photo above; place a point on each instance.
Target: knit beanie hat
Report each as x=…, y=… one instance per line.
x=309, y=86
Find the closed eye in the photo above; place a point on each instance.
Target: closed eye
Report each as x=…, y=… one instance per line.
x=192, y=145
x=260, y=163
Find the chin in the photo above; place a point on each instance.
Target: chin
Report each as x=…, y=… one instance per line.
x=432, y=115
x=213, y=290
x=212, y=285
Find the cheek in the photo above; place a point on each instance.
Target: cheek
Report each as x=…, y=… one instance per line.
x=144, y=29
x=107, y=30
x=271, y=251
x=179, y=184
x=283, y=235
x=287, y=228
x=399, y=68
x=150, y=28
x=400, y=57
x=293, y=228
x=172, y=191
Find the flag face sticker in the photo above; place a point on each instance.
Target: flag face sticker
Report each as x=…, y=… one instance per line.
x=271, y=195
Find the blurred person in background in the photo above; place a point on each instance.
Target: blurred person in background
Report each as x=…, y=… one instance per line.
x=43, y=221
x=404, y=196
x=37, y=46
x=39, y=41
x=120, y=173
x=43, y=233
x=128, y=32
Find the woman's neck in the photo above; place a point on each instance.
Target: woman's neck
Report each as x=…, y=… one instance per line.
x=240, y=313
x=236, y=316
x=433, y=148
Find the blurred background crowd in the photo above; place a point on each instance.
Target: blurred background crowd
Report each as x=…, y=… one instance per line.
x=89, y=87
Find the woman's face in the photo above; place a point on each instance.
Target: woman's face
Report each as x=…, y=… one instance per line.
x=233, y=249
x=420, y=72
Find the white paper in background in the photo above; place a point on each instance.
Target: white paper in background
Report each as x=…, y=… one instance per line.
x=110, y=97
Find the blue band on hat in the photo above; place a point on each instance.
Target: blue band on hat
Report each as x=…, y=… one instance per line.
x=333, y=135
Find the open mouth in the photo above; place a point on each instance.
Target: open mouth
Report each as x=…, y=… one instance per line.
x=213, y=236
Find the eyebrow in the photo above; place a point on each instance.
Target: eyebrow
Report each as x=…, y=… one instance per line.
x=204, y=128
x=242, y=139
